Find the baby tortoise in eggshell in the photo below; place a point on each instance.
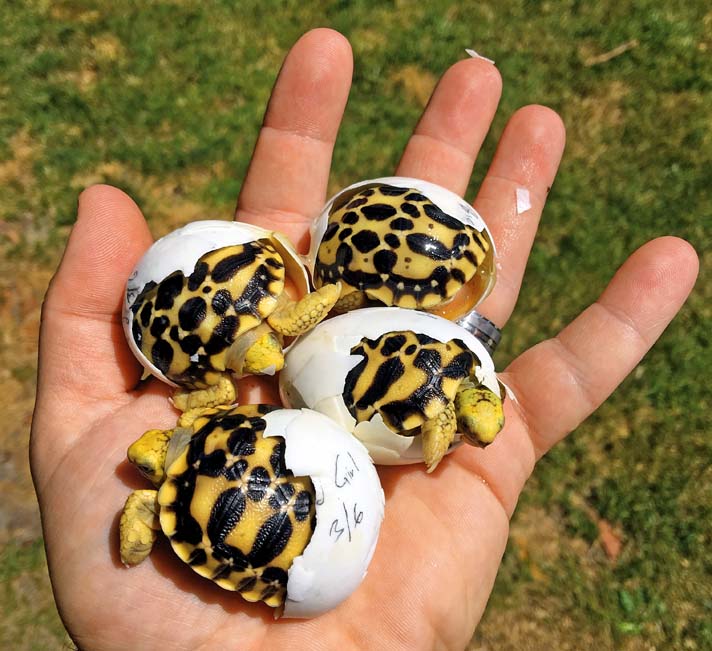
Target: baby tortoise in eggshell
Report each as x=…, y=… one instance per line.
x=394, y=246
x=420, y=385
x=226, y=501
x=189, y=326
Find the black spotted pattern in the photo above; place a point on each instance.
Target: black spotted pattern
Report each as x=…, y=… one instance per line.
x=226, y=513
x=222, y=300
x=401, y=224
x=391, y=344
x=422, y=244
x=384, y=261
x=192, y=313
x=197, y=278
x=365, y=240
x=162, y=355
x=392, y=240
x=159, y=325
x=331, y=230
x=145, y=314
x=378, y=211
x=167, y=291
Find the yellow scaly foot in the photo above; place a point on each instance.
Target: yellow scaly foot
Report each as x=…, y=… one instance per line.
x=139, y=526
x=352, y=301
x=438, y=433
x=296, y=318
x=222, y=393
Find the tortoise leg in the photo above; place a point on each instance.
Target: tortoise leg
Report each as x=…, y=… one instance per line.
x=438, y=434
x=480, y=415
x=139, y=526
x=296, y=318
x=352, y=301
x=222, y=393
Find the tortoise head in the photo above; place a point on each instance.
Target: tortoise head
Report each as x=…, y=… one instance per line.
x=150, y=454
x=479, y=412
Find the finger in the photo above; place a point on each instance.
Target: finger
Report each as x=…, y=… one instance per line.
x=286, y=183
x=83, y=353
x=527, y=158
x=506, y=464
x=561, y=381
x=449, y=135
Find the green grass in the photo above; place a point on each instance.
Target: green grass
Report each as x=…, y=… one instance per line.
x=165, y=101
x=29, y=616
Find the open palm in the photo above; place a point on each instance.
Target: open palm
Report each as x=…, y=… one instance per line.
x=443, y=534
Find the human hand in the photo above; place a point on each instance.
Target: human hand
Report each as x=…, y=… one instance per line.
x=444, y=534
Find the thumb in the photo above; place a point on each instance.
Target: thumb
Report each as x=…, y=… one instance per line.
x=83, y=354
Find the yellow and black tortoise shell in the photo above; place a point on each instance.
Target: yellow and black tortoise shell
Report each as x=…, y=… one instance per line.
x=233, y=511
x=397, y=246
x=186, y=324
x=406, y=377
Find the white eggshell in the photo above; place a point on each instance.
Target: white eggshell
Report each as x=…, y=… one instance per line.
x=180, y=250
x=349, y=509
x=446, y=200
x=316, y=367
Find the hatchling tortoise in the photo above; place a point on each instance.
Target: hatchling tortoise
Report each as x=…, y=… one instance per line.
x=407, y=243
x=420, y=385
x=197, y=311
x=226, y=501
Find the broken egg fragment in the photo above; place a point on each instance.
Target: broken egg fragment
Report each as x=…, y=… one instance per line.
x=403, y=242
x=280, y=505
x=382, y=373
x=349, y=509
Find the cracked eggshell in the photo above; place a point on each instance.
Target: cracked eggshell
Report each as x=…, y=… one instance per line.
x=181, y=249
x=349, y=509
x=446, y=200
x=316, y=367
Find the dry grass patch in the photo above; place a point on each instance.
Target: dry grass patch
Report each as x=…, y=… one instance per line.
x=416, y=84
